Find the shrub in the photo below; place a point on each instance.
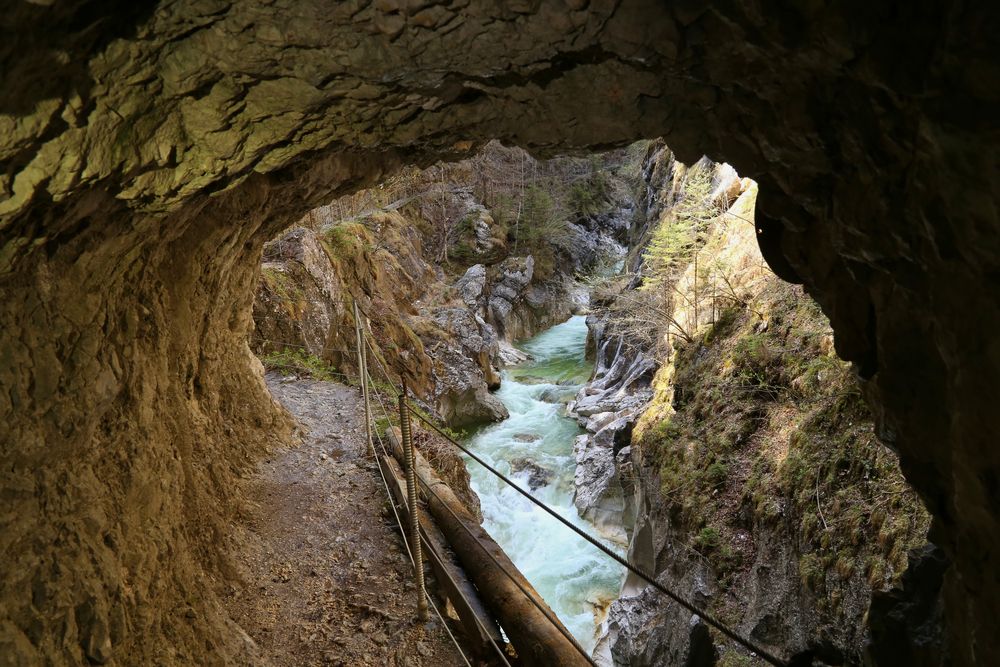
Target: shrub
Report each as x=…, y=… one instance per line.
x=716, y=473
x=299, y=362
x=707, y=539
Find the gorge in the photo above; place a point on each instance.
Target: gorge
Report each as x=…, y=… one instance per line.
x=149, y=151
x=755, y=492
x=534, y=447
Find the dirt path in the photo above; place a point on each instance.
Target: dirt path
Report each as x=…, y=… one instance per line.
x=328, y=581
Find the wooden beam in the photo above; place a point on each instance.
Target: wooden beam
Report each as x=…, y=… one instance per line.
x=537, y=638
x=475, y=618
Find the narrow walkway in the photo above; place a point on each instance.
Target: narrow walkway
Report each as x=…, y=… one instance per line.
x=328, y=581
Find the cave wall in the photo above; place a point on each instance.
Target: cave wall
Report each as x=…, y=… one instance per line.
x=146, y=154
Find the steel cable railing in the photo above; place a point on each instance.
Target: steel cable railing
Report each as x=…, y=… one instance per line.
x=649, y=579
x=409, y=552
x=497, y=649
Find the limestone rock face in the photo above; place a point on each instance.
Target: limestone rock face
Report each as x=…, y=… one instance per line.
x=507, y=289
x=300, y=303
x=310, y=281
x=607, y=407
x=472, y=284
x=149, y=149
x=599, y=496
x=464, y=370
x=644, y=637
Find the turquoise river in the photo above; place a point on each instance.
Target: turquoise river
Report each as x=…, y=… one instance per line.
x=575, y=579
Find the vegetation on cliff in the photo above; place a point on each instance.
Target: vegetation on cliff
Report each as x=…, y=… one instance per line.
x=769, y=432
x=761, y=487
x=757, y=453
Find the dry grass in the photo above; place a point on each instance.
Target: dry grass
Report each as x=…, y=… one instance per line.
x=768, y=421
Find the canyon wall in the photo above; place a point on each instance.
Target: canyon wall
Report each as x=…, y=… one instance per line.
x=148, y=152
x=749, y=463
x=446, y=282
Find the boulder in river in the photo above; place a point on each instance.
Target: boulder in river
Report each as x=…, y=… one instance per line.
x=510, y=355
x=537, y=475
x=532, y=379
x=555, y=395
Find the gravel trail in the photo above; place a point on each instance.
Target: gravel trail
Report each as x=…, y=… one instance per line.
x=326, y=577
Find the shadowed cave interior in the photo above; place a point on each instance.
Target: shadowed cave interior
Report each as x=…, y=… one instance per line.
x=148, y=155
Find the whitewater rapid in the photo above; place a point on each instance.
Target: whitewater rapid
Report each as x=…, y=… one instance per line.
x=576, y=580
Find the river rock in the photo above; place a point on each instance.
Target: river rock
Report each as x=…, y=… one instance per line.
x=527, y=437
x=537, y=475
x=532, y=379
x=555, y=395
x=598, y=494
x=642, y=631
x=463, y=406
x=624, y=385
x=462, y=389
x=510, y=355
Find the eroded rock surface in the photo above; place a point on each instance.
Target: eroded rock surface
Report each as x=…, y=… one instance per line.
x=310, y=282
x=149, y=151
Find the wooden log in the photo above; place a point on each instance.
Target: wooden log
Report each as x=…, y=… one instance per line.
x=476, y=620
x=537, y=639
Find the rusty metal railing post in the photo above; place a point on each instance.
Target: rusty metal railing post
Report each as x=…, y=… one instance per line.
x=359, y=332
x=411, y=499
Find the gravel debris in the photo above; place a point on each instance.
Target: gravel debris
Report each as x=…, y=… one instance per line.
x=326, y=578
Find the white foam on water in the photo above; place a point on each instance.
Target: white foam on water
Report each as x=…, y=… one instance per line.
x=569, y=573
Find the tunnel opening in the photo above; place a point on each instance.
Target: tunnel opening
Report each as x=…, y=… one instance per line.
x=750, y=381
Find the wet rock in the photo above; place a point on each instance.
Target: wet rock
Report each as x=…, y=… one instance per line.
x=643, y=631
x=598, y=493
x=464, y=397
x=510, y=355
x=537, y=475
x=532, y=379
x=527, y=437
x=556, y=395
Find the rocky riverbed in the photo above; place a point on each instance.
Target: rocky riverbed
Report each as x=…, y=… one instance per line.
x=534, y=446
